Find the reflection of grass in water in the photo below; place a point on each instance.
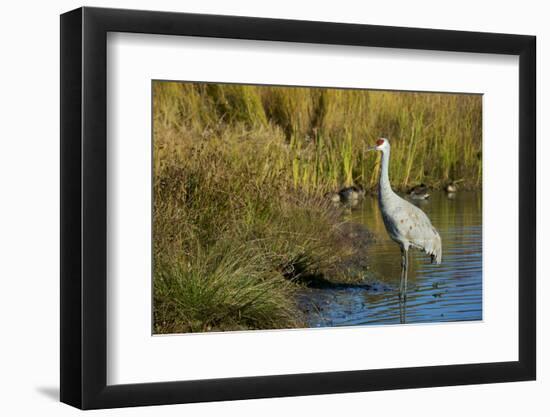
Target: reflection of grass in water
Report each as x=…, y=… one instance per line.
x=239, y=174
x=448, y=292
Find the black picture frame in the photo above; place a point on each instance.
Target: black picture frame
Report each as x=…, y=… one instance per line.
x=84, y=207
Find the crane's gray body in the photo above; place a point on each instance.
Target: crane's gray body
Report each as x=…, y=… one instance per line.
x=409, y=226
x=405, y=223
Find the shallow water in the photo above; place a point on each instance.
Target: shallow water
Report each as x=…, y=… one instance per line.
x=451, y=291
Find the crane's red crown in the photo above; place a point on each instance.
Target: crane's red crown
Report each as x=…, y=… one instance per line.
x=379, y=142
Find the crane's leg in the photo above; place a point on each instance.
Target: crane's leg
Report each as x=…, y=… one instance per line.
x=402, y=287
x=404, y=269
x=402, y=311
x=402, y=273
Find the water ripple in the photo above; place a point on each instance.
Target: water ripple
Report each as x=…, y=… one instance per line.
x=451, y=291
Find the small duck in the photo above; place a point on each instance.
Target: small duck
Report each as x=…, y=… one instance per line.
x=451, y=187
x=333, y=197
x=419, y=192
x=351, y=194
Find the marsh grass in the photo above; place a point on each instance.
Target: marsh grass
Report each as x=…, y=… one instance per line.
x=239, y=216
x=222, y=288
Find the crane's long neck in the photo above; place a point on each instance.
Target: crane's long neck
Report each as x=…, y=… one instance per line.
x=384, y=187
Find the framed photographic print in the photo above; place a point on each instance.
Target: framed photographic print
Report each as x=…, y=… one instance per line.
x=257, y=207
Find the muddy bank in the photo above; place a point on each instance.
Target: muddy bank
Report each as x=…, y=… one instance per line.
x=352, y=269
x=335, y=303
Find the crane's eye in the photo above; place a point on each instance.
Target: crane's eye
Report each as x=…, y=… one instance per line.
x=379, y=142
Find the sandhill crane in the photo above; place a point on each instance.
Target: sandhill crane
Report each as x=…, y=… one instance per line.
x=406, y=224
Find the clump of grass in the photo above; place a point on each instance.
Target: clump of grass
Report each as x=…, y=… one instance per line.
x=231, y=239
x=221, y=288
x=300, y=238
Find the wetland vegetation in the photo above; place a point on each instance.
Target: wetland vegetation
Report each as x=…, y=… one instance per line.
x=241, y=224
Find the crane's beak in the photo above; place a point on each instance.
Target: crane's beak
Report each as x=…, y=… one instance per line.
x=371, y=148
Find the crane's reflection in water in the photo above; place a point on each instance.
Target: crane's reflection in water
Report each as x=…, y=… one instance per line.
x=451, y=291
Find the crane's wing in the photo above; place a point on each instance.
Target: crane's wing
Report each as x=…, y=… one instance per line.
x=413, y=225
